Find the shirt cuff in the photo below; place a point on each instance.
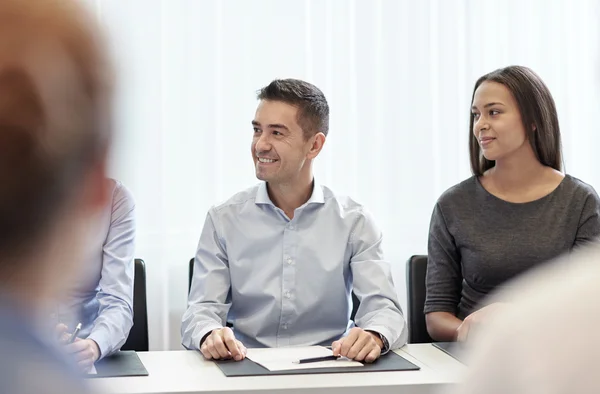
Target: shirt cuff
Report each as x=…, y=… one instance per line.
x=385, y=336
x=101, y=338
x=207, y=330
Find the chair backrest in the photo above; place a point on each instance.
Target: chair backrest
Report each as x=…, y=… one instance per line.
x=355, y=301
x=416, y=269
x=138, y=336
x=355, y=304
x=190, y=274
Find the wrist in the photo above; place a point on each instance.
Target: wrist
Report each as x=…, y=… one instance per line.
x=379, y=339
x=205, y=336
x=95, y=349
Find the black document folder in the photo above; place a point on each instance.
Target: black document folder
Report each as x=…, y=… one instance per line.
x=124, y=363
x=453, y=349
x=389, y=362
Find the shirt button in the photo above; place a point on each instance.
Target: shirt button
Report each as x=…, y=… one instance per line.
x=290, y=261
x=291, y=227
x=284, y=326
x=288, y=294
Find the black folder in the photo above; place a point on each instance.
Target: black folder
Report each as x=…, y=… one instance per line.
x=388, y=362
x=453, y=349
x=124, y=363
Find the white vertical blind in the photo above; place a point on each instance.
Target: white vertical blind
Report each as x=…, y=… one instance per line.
x=398, y=75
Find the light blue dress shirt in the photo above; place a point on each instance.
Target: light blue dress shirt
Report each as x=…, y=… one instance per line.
x=103, y=299
x=284, y=282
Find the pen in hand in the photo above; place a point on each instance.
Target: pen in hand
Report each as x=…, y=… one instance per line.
x=316, y=359
x=74, y=335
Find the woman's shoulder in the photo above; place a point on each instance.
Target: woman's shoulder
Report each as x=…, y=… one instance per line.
x=576, y=185
x=459, y=192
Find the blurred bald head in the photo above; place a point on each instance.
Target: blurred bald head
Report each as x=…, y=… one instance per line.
x=55, y=89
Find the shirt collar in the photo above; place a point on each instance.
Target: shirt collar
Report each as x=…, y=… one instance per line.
x=317, y=197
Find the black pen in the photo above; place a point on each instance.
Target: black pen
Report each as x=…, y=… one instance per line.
x=316, y=359
x=74, y=335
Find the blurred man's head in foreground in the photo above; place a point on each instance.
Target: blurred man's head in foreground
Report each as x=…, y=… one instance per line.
x=55, y=91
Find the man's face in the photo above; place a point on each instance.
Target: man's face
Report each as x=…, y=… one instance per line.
x=279, y=148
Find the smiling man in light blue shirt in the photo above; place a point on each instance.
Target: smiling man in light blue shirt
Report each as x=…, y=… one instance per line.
x=280, y=260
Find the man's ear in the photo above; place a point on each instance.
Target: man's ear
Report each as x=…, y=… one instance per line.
x=317, y=142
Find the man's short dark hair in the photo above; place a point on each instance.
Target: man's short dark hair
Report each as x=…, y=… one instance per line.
x=313, y=110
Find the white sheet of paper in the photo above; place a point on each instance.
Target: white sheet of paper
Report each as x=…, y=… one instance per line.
x=92, y=370
x=285, y=358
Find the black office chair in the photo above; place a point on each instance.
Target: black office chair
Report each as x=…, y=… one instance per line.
x=138, y=336
x=355, y=304
x=190, y=274
x=416, y=269
x=355, y=301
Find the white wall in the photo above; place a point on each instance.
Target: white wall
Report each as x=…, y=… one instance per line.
x=398, y=75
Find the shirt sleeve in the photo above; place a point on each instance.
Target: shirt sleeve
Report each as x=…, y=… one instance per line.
x=379, y=308
x=444, y=274
x=209, y=299
x=589, y=223
x=115, y=315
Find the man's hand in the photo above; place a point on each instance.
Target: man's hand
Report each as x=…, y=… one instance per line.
x=359, y=345
x=477, y=318
x=221, y=344
x=62, y=333
x=85, y=352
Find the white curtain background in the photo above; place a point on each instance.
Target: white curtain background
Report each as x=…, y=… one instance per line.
x=398, y=75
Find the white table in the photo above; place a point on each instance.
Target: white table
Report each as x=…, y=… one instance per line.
x=187, y=372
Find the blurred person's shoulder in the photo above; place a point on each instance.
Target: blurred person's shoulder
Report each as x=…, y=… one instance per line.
x=559, y=280
x=28, y=365
x=546, y=340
